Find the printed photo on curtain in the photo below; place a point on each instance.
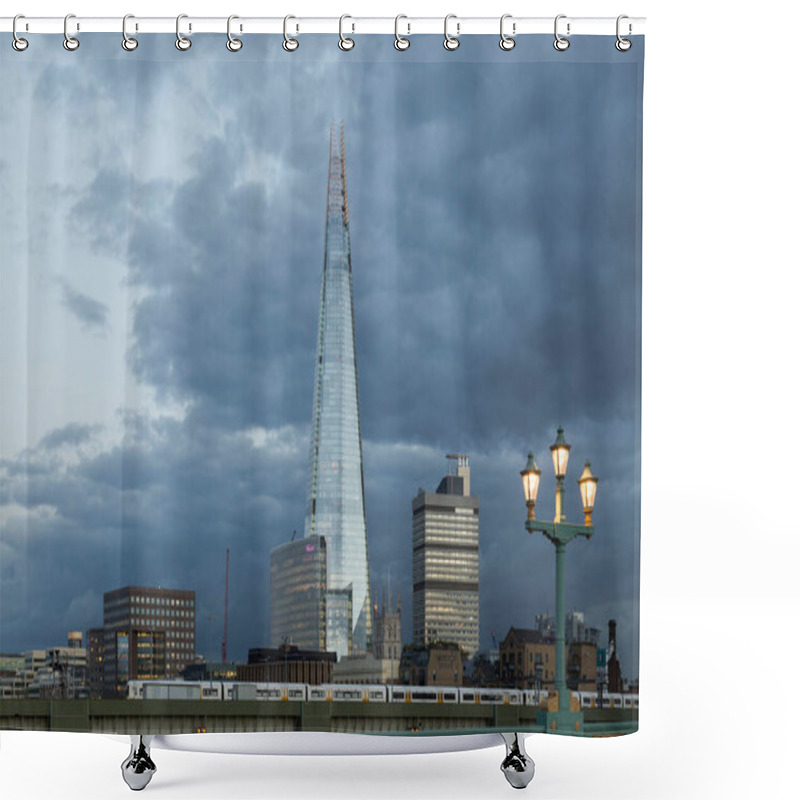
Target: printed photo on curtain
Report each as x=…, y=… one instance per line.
x=320, y=385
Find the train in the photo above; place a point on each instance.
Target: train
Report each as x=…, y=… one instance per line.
x=362, y=693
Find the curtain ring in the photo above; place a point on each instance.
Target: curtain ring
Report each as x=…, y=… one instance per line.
x=401, y=42
x=345, y=42
x=289, y=44
x=18, y=43
x=128, y=42
x=622, y=44
x=233, y=44
x=507, y=42
x=70, y=42
x=181, y=42
x=451, y=42
x=560, y=43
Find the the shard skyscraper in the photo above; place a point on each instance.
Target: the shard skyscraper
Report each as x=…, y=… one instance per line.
x=335, y=500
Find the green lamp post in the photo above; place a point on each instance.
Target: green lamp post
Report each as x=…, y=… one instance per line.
x=560, y=533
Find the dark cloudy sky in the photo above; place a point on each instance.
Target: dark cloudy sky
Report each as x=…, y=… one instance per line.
x=162, y=241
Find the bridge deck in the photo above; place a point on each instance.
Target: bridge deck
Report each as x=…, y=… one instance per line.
x=214, y=716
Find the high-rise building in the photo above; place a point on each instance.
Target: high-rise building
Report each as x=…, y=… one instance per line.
x=147, y=633
x=445, y=534
x=298, y=582
x=335, y=500
x=576, y=630
x=546, y=626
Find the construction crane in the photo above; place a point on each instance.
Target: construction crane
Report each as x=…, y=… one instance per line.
x=225, y=623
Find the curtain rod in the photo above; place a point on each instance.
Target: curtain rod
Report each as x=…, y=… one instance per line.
x=513, y=26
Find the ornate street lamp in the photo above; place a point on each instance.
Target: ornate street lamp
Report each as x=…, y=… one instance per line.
x=560, y=450
x=530, y=482
x=560, y=533
x=588, y=486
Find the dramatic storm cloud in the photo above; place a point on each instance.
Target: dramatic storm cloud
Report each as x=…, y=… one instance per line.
x=161, y=277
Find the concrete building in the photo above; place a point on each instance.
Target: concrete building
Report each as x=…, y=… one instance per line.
x=147, y=632
x=11, y=664
x=445, y=539
x=576, y=630
x=546, y=626
x=55, y=673
x=335, y=505
x=298, y=592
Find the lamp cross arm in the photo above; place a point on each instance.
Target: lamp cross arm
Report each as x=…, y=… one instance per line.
x=559, y=532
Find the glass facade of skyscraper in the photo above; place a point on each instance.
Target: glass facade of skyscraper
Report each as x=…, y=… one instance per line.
x=298, y=581
x=335, y=499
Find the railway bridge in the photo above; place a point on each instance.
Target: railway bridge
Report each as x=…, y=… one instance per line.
x=209, y=716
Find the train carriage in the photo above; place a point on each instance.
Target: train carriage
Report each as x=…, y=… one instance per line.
x=345, y=692
x=506, y=697
x=423, y=694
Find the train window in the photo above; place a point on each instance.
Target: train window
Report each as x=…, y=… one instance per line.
x=449, y=696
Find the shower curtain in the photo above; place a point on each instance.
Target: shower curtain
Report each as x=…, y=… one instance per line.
x=280, y=332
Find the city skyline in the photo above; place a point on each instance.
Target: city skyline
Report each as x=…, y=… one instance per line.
x=165, y=411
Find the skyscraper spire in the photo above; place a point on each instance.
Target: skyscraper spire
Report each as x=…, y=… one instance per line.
x=335, y=500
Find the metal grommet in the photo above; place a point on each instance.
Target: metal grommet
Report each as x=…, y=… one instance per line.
x=560, y=43
x=507, y=42
x=128, y=42
x=289, y=44
x=233, y=44
x=181, y=42
x=70, y=42
x=345, y=42
x=18, y=43
x=622, y=44
x=401, y=42
x=451, y=42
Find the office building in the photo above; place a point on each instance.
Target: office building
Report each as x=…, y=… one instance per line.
x=576, y=630
x=298, y=584
x=335, y=499
x=445, y=538
x=148, y=632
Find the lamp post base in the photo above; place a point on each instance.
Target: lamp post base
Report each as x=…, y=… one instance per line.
x=561, y=721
